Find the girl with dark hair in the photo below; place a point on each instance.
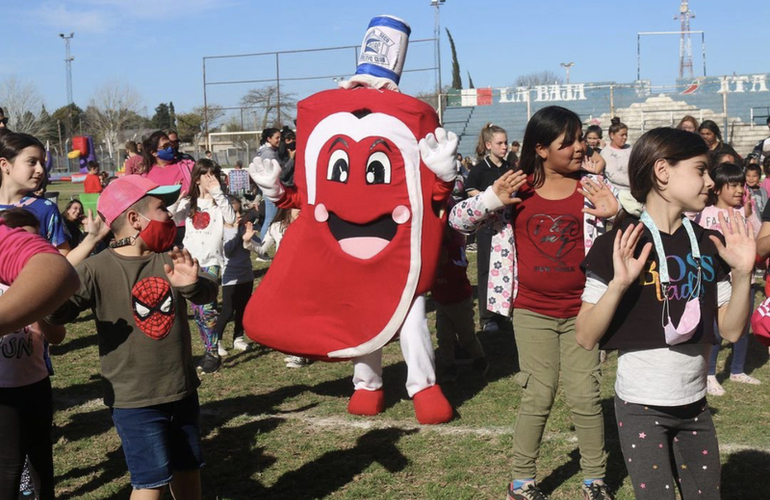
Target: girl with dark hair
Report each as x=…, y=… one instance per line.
x=544, y=218
x=616, y=155
x=22, y=171
x=270, y=141
x=286, y=151
x=728, y=193
x=653, y=291
x=206, y=210
x=594, y=138
x=710, y=132
x=73, y=216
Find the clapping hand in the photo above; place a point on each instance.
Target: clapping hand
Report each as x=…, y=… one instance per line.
x=740, y=248
x=604, y=202
x=184, y=269
x=95, y=226
x=507, y=185
x=627, y=268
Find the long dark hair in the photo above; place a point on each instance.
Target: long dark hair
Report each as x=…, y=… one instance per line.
x=268, y=132
x=667, y=143
x=12, y=143
x=713, y=127
x=150, y=146
x=545, y=127
x=201, y=168
x=19, y=217
x=287, y=134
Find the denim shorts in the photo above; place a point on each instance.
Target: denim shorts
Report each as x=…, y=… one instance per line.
x=158, y=440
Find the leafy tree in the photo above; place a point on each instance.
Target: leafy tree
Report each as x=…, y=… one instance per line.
x=171, y=116
x=470, y=81
x=68, y=116
x=161, y=120
x=457, y=82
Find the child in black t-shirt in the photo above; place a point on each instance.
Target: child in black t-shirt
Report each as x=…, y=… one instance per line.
x=663, y=418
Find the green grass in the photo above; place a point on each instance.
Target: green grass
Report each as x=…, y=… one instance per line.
x=273, y=432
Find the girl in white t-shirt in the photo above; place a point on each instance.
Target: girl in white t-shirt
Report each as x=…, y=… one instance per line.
x=659, y=313
x=205, y=211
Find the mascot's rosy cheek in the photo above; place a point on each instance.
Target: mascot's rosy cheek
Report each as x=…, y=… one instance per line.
x=367, y=237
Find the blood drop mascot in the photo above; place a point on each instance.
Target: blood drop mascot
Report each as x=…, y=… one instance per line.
x=373, y=173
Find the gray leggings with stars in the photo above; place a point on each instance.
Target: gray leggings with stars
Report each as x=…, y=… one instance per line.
x=666, y=448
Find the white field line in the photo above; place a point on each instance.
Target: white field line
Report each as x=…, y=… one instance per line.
x=344, y=422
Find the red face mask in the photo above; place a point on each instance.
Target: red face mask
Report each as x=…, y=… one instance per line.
x=159, y=236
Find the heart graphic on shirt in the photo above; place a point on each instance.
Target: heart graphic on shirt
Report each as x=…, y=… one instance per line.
x=201, y=220
x=554, y=236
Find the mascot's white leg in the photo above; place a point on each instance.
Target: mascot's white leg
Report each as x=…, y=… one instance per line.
x=417, y=348
x=430, y=405
x=367, y=371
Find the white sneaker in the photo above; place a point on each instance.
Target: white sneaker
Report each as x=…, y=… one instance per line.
x=296, y=362
x=240, y=344
x=714, y=387
x=221, y=350
x=744, y=379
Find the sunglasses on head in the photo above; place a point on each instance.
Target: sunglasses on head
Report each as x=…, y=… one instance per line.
x=4, y=121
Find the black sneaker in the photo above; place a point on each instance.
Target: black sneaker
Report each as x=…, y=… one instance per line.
x=480, y=366
x=209, y=363
x=529, y=491
x=447, y=374
x=596, y=491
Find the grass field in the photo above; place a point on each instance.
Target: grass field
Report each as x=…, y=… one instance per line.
x=273, y=432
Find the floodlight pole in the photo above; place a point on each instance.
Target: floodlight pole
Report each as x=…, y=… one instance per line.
x=437, y=36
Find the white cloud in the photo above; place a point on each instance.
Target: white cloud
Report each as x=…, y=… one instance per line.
x=71, y=18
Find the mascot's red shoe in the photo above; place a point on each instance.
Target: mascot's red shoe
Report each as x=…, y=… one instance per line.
x=368, y=403
x=431, y=407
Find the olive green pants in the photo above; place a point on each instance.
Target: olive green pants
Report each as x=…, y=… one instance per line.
x=547, y=345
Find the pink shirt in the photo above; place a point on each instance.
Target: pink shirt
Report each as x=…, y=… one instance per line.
x=709, y=218
x=21, y=353
x=17, y=246
x=134, y=165
x=172, y=174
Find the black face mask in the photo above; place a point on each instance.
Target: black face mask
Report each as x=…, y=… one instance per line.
x=291, y=146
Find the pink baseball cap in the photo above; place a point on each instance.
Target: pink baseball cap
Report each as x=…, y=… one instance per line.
x=127, y=190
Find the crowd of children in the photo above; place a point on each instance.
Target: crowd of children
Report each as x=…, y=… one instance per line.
x=571, y=243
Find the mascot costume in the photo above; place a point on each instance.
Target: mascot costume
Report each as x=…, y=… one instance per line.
x=373, y=173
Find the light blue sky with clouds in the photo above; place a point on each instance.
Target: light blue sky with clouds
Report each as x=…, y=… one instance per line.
x=157, y=46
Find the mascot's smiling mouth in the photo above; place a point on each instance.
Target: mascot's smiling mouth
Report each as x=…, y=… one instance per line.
x=363, y=241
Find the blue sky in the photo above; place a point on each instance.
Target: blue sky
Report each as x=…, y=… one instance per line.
x=157, y=46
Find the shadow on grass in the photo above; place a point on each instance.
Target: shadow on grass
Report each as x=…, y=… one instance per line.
x=111, y=468
x=77, y=343
x=616, y=469
x=744, y=475
x=335, y=469
x=76, y=395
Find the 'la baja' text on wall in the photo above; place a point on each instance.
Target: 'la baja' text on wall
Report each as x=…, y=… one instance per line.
x=544, y=93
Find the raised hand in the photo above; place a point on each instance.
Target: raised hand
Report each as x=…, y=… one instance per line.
x=95, y=226
x=588, y=165
x=604, y=202
x=740, y=248
x=265, y=173
x=627, y=268
x=210, y=183
x=507, y=185
x=438, y=152
x=184, y=269
x=248, y=232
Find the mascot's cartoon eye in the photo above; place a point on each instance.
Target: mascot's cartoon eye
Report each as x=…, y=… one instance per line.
x=165, y=307
x=142, y=311
x=378, y=169
x=339, y=167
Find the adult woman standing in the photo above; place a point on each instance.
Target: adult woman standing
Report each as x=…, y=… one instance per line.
x=710, y=133
x=161, y=166
x=268, y=150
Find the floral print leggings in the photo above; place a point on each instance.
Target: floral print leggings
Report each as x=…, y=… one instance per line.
x=206, y=316
x=666, y=448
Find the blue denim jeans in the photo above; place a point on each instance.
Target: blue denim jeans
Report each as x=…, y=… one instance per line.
x=158, y=440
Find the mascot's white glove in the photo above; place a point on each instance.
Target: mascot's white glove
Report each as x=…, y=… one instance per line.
x=439, y=153
x=265, y=173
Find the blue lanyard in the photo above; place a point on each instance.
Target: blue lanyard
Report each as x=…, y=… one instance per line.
x=662, y=264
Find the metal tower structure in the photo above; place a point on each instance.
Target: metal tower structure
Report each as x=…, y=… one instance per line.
x=685, y=42
x=68, y=64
